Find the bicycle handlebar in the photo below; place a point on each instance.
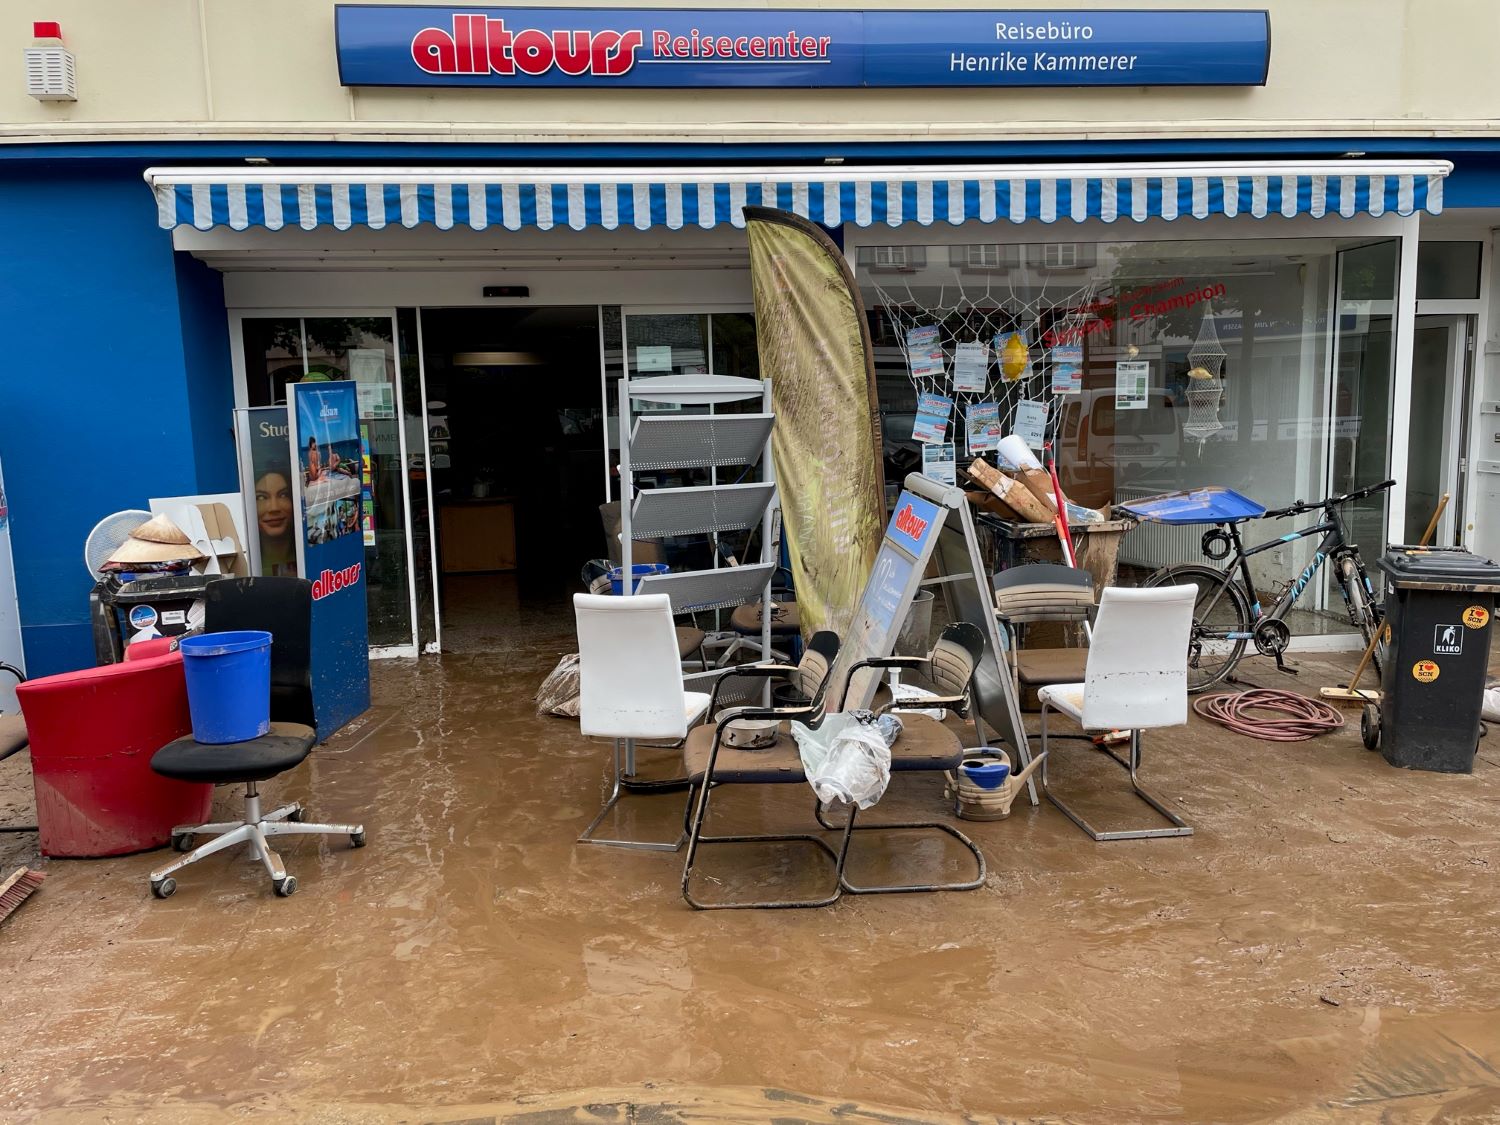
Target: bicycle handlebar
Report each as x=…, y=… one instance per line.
x=1300, y=506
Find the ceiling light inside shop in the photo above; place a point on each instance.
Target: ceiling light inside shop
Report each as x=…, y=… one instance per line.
x=497, y=359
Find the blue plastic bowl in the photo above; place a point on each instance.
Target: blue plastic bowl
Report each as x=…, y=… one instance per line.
x=986, y=775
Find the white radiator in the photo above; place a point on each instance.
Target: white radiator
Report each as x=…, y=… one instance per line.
x=1154, y=545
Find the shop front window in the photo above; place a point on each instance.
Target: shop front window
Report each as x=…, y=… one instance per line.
x=1256, y=364
x=280, y=351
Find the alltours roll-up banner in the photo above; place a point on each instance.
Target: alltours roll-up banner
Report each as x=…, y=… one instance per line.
x=324, y=438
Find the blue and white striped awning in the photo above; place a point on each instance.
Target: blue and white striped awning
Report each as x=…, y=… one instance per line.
x=710, y=197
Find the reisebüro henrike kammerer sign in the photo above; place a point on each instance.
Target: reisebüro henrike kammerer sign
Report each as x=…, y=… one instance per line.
x=381, y=45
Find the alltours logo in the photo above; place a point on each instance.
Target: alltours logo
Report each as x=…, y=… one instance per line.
x=909, y=523
x=332, y=581
x=480, y=44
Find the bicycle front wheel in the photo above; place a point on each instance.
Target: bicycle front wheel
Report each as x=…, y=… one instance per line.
x=1221, y=622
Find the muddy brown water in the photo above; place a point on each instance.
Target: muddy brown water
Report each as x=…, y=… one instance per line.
x=1325, y=948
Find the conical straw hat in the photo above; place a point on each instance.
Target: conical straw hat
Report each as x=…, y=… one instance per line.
x=159, y=529
x=156, y=540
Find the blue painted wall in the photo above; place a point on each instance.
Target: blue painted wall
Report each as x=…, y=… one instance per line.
x=115, y=382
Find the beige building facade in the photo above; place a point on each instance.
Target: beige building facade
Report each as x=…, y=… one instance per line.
x=237, y=198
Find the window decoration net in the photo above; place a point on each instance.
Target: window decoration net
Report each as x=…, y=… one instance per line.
x=1205, y=390
x=1018, y=323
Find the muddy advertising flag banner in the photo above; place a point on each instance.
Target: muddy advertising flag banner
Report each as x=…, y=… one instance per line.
x=325, y=443
x=267, y=485
x=815, y=350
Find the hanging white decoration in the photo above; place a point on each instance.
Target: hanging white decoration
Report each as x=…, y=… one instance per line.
x=1205, y=390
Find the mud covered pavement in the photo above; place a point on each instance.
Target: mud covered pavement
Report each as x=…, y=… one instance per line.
x=1325, y=948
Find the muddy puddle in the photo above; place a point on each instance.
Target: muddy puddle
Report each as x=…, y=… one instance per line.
x=1325, y=948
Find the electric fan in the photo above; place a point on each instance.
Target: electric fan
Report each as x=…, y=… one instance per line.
x=108, y=536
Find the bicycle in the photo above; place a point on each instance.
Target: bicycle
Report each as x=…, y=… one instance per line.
x=1227, y=614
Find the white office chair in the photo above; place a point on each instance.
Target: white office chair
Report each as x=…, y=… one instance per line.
x=1135, y=679
x=630, y=686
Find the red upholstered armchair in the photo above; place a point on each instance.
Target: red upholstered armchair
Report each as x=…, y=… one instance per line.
x=92, y=737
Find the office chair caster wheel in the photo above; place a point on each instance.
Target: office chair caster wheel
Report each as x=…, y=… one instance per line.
x=286, y=887
x=166, y=888
x=357, y=839
x=182, y=841
x=1369, y=726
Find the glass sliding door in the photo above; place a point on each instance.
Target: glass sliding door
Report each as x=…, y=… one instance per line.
x=279, y=350
x=1364, y=368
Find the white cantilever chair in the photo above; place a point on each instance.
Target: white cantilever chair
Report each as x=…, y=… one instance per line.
x=1135, y=679
x=630, y=686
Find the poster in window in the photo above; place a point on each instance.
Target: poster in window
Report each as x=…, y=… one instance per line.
x=1132, y=381
x=939, y=462
x=932, y=417
x=1067, y=369
x=983, y=427
x=924, y=352
x=1031, y=422
x=971, y=367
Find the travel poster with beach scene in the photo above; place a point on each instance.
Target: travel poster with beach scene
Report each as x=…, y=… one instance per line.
x=330, y=459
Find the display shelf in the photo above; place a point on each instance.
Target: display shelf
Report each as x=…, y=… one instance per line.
x=689, y=441
x=659, y=513
x=701, y=590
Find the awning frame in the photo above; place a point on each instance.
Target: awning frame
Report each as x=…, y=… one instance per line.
x=706, y=197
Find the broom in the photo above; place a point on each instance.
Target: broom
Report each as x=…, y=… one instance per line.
x=16, y=888
x=1352, y=694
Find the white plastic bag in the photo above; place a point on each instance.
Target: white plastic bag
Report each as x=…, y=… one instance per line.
x=1490, y=709
x=848, y=757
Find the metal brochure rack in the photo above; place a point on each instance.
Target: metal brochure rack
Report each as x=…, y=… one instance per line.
x=668, y=441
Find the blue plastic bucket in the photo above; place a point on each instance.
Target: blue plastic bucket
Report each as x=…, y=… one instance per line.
x=228, y=684
x=637, y=572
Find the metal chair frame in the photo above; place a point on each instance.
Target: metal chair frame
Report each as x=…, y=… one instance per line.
x=1111, y=653
x=20, y=677
x=810, y=713
x=973, y=640
x=1130, y=765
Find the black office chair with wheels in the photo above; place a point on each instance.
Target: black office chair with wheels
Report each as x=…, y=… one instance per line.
x=283, y=608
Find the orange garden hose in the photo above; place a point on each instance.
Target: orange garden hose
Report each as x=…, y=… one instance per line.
x=1292, y=717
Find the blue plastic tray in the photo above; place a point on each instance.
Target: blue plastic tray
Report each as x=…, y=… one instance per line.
x=1197, y=505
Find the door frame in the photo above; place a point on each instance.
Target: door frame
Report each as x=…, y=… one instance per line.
x=1457, y=388
x=237, y=317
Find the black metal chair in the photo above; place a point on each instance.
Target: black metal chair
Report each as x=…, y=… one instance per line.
x=925, y=744
x=13, y=740
x=710, y=764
